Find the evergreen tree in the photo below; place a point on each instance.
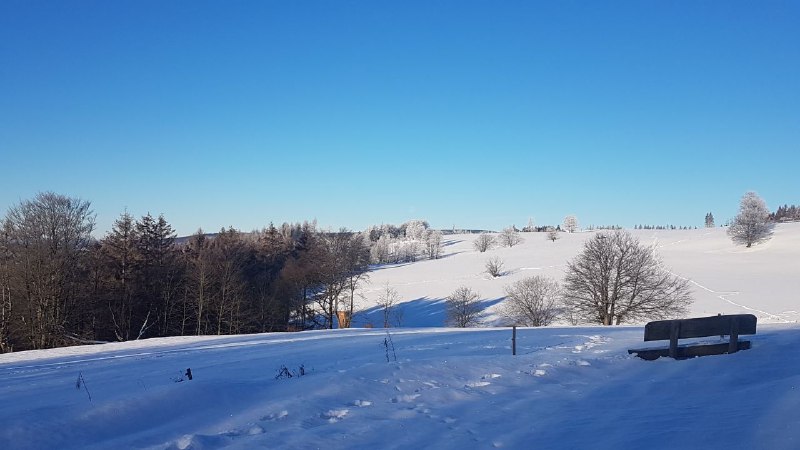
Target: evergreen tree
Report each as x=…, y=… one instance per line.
x=709, y=220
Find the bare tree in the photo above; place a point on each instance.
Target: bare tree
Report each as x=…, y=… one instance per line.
x=494, y=267
x=483, y=242
x=463, y=308
x=532, y=302
x=751, y=225
x=48, y=238
x=199, y=281
x=357, y=270
x=387, y=300
x=552, y=234
x=6, y=302
x=615, y=279
x=571, y=224
x=510, y=237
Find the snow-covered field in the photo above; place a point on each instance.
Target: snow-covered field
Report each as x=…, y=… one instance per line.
x=763, y=280
x=568, y=387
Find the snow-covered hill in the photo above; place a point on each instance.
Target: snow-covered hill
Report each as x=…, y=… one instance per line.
x=567, y=388
x=763, y=280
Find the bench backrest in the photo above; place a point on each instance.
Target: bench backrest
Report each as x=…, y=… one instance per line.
x=701, y=327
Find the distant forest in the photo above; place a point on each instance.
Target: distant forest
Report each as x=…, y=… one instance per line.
x=786, y=213
x=60, y=286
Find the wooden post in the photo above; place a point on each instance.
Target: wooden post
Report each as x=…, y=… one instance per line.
x=514, y=341
x=733, y=346
x=674, y=332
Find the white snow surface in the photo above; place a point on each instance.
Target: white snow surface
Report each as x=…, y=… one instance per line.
x=567, y=388
x=763, y=280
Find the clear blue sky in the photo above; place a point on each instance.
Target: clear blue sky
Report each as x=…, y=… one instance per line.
x=476, y=114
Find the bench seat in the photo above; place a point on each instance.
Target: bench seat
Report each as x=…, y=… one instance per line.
x=672, y=330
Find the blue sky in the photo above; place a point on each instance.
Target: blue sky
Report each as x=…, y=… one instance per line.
x=476, y=114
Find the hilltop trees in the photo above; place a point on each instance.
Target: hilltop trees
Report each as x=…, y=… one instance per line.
x=752, y=224
x=433, y=244
x=709, y=220
x=570, y=224
x=785, y=213
x=616, y=279
x=406, y=243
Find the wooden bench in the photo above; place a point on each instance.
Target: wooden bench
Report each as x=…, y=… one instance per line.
x=730, y=325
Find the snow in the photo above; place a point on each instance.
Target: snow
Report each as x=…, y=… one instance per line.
x=568, y=387
x=726, y=278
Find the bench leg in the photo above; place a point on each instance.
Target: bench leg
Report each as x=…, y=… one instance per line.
x=674, y=332
x=733, y=345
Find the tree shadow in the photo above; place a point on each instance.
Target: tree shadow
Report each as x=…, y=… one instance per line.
x=450, y=242
x=420, y=312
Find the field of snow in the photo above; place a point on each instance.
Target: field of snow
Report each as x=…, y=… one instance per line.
x=568, y=387
x=763, y=280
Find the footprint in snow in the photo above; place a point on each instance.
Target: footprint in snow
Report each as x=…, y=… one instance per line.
x=335, y=415
x=405, y=398
x=475, y=384
x=490, y=376
x=362, y=403
x=252, y=431
x=539, y=373
x=276, y=416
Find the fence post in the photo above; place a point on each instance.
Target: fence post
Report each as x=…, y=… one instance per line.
x=514, y=341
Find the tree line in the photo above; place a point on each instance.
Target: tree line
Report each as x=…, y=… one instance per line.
x=786, y=213
x=60, y=286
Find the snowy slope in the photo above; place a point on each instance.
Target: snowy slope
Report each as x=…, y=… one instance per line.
x=568, y=388
x=763, y=280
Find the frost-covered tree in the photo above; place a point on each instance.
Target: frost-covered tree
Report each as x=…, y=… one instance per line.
x=415, y=229
x=509, y=237
x=494, y=267
x=463, y=308
x=483, y=242
x=752, y=224
x=616, y=279
x=433, y=243
x=379, y=252
x=532, y=302
x=552, y=234
x=571, y=224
